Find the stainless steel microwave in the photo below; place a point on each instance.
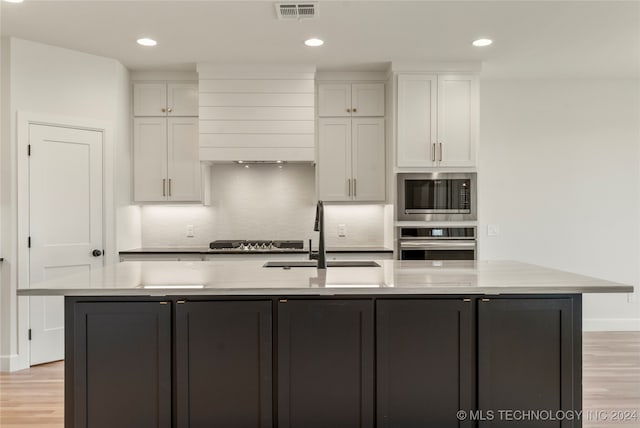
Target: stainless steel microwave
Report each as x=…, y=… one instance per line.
x=437, y=196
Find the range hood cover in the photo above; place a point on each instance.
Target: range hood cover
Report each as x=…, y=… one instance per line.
x=257, y=112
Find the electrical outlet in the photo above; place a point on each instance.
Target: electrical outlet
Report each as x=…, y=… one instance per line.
x=493, y=230
x=190, y=231
x=342, y=230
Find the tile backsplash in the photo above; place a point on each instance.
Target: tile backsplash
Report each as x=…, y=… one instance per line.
x=260, y=202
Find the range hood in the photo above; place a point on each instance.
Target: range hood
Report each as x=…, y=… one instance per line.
x=256, y=113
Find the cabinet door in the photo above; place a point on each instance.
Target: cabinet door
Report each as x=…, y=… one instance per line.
x=368, y=152
x=150, y=159
x=334, y=99
x=223, y=364
x=529, y=353
x=118, y=365
x=325, y=364
x=425, y=362
x=417, y=113
x=334, y=159
x=367, y=99
x=457, y=120
x=182, y=99
x=183, y=168
x=149, y=99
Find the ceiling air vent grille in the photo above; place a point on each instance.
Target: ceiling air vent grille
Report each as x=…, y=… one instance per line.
x=306, y=10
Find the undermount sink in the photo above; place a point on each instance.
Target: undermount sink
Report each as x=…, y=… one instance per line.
x=313, y=263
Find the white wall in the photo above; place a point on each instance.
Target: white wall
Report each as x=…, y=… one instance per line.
x=559, y=173
x=47, y=80
x=260, y=202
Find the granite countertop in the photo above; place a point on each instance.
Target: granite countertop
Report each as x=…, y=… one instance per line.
x=207, y=250
x=393, y=277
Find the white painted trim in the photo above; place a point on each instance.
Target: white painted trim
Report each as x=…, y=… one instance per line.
x=611, y=324
x=437, y=67
x=351, y=76
x=24, y=120
x=152, y=76
x=256, y=71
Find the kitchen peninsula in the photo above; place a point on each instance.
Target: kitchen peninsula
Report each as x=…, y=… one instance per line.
x=407, y=344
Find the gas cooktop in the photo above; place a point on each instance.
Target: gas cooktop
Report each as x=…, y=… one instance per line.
x=262, y=245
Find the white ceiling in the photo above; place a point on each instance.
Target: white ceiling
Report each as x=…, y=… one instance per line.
x=532, y=39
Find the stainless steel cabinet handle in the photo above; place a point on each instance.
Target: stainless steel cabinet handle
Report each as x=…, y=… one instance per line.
x=169, y=110
x=348, y=187
x=440, y=152
x=433, y=152
x=164, y=187
x=169, y=187
x=355, y=189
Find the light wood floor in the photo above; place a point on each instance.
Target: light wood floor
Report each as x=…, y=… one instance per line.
x=611, y=382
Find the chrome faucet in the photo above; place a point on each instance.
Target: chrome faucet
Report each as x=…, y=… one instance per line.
x=319, y=227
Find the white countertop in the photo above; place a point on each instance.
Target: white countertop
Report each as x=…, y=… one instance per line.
x=393, y=277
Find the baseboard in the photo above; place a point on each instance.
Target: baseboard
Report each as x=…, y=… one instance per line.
x=12, y=363
x=611, y=324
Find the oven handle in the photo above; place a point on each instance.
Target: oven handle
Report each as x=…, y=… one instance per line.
x=437, y=245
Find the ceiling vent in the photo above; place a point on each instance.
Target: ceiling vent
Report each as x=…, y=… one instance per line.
x=308, y=10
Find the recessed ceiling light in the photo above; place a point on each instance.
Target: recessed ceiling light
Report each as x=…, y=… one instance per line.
x=314, y=42
x=482, y=42
x=14, y=1
x=147, y=42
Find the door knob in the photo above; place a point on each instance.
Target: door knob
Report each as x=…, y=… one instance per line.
x=96, y=253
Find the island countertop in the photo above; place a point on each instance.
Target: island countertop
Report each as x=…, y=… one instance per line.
x=393, y=277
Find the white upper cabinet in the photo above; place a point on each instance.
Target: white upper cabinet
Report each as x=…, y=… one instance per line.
x=437, y=120
x=350, y=99
x=367, y=99
x=150, y=159
x=183, y=160
x=149, y=99
x=165, y=99
x=166, y=143
x=368, y=159
x=351, y=159
x=334, y=159
x=457, y=120
x=417, y=115
x=167, y=166
x=182, y=99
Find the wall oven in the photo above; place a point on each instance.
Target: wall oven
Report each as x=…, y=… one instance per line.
x=437, y=243
x=437, y=196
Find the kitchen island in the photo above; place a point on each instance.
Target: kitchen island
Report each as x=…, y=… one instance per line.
x=406, y=344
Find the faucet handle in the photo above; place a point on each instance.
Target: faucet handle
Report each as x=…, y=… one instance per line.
x=312, y=255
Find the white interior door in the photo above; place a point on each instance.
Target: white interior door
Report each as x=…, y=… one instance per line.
x=65, y=223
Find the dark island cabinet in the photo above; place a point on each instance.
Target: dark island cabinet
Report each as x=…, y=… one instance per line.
x=325, y=364
x=317, y=362
x=529, y=359
x=425, y=362
x=118, y=365
x=223, y=355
